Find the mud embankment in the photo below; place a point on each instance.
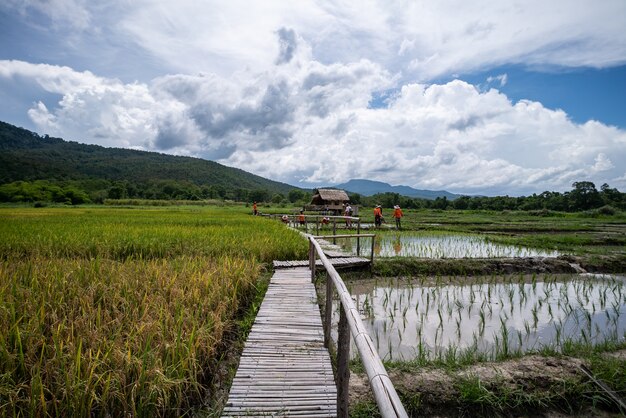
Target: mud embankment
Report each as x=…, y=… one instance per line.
x=488, y=266
x=533, y=385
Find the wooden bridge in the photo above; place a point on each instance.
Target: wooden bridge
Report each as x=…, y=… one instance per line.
x=285, y=367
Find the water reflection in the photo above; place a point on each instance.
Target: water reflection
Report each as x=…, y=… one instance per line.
x=407, y=319
x=441, y=246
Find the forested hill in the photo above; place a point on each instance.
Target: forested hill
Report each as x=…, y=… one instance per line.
x=26, y=156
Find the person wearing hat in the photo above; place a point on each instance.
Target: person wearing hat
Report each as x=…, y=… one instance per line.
x=378, y=216
x=397, y=214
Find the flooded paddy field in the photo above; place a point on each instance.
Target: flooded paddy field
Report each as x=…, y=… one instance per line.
x=491, y=317
x=487, y=314
x=440, y=245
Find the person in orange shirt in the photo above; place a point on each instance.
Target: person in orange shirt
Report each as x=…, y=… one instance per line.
x=397, y=213
x=302, y=218
x=254, y=209
x=378, y=216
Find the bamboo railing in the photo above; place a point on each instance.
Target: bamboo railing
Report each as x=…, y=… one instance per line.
x=316, y=219
x=350, y=323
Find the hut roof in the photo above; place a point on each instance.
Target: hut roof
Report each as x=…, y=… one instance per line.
x=333, y=195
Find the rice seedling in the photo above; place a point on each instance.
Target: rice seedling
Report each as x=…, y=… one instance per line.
x=441, y=316
x=444, y=245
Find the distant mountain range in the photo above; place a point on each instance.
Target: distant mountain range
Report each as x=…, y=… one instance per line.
x=369, y=188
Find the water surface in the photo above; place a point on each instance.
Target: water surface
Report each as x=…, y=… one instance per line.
x=406, y=318
x=440, y=246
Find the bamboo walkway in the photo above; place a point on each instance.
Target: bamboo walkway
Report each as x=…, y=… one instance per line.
x=285, y=369
x=338, y=258
x=343, y=262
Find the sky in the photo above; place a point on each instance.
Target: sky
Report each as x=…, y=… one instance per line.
x=475, y=97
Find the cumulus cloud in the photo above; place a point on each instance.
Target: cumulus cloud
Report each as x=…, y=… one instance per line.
x=288, y=45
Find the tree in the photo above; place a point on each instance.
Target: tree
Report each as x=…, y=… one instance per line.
x=584, y=196
x=277, y=198
x=355, y=198
x=440, y=203
x=461, y=202
x=296, y=195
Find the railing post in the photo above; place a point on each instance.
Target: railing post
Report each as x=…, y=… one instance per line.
x=358, y=238
x=334, y=230
x=372, y=255
x=343, y=358
x=317, y=220
x=328, y=311
x=313, y=257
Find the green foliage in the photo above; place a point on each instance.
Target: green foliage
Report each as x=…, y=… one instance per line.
x=42, y=191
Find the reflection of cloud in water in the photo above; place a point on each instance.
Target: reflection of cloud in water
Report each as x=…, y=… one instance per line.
x=443, y=246
x=403, y=319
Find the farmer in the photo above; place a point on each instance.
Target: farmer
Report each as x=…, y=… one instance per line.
x=302, y=218
x=397, y=213
x=377, y=215
x=285, y=219
x=348, y=214
x=254, y=209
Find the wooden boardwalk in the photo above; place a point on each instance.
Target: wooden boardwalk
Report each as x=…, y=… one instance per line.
x=343, y=262
x=338, y=258
x=285, y=369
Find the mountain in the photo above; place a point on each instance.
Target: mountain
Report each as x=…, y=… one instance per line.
x=369, y=188
x=27, y=156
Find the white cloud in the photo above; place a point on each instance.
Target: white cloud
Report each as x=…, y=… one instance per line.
x=423, y=40
x=502, y=79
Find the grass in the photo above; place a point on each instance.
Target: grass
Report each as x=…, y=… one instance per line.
x=118, y=311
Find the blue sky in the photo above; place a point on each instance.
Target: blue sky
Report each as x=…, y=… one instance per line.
x=584, y=93
x=473, y=97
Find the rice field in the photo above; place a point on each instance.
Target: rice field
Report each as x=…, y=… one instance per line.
x=124, y=311
x=441, y=245
x=489, y=317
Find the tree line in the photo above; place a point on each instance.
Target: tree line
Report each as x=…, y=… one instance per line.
x=583, y=196
x=97, y=191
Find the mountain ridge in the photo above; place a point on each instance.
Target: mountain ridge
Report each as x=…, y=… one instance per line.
x=371, y=187
x=27, y=156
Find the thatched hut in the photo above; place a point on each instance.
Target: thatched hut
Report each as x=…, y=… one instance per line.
x=329, y=200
